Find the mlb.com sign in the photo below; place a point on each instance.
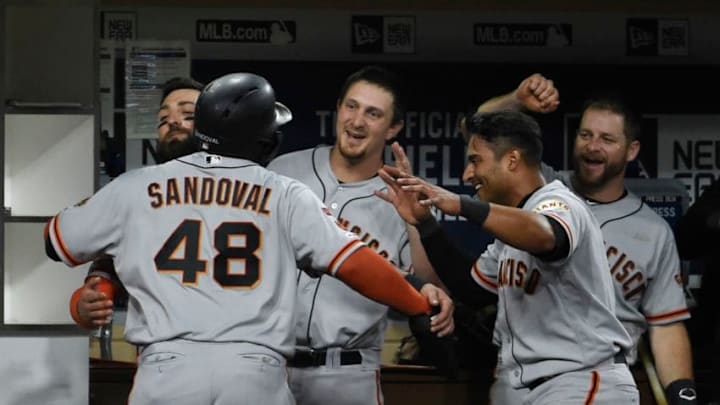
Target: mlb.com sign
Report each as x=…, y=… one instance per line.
x=247, y=31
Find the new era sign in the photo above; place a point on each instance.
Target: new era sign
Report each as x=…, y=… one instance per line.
x=382, y=34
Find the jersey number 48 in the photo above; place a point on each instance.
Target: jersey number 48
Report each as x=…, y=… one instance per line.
x=188, y=235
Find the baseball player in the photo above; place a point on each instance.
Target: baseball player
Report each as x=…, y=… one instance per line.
x=91, y=305
x=645, y=269
x=698, y=237
x=559, y=336
x=206, y=245
x=339, y=333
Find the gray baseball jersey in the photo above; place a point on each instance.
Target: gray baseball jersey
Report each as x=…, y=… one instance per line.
x=553, y=317
x=644, y=266
x=329, y=313
x=644, y=263
x=206, y=247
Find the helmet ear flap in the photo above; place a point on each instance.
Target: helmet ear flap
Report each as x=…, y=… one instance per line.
x=269, y=147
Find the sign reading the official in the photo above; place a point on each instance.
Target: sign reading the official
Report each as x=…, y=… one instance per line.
x=383, y=34
x=542, y=35
x=653, y=37
x=279, y=32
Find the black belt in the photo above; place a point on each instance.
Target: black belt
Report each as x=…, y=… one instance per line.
x=619, y=358
x=317, y=358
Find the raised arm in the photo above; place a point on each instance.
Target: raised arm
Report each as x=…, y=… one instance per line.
x=536, y=93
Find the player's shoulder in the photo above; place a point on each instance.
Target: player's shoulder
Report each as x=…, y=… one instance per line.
x=555, y=191
x=647, y=216
x=135, y=175
x=290, y=162
x=288, y=185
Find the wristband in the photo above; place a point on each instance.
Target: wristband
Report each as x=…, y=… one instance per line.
x=474, y=210
x=428, y=226
x=415, y=281
x=681, y=392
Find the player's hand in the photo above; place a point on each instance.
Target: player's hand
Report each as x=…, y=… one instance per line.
x=537, y=93
x=401, y=160
x=441, y=323
x=406, y=203
x=430, y=194
x=94, y=306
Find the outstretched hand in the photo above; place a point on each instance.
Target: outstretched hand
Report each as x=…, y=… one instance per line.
x=538, y=93
x=428, y=194
x=406, y=203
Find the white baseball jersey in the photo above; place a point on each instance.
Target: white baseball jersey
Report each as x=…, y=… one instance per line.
x=329, y=313
x=206, y=247
x=553, y=317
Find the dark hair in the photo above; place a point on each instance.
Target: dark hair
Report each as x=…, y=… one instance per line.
x=618, y=105
x=179, y=83
x=505, y=130
x=383, y=78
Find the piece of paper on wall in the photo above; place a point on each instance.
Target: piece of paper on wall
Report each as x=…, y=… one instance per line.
x=148, y=64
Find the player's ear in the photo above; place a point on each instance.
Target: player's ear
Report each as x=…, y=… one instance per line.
x=632, y=150
x=394, y=129
x=513, y=158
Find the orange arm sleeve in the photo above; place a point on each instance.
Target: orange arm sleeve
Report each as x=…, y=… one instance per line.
x=372, y=276
x=106, y=286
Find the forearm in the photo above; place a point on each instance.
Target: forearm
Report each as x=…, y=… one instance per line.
x=372, y=276
x=670, y=346
x=452, y=266
x=507, y=101
x=524, y=230
x=420, y=261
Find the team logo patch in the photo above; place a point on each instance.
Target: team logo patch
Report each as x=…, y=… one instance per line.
x=678, y=279
x=551, y=205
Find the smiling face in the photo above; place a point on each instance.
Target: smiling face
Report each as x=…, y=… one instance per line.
x=364, y=122
x=176, y=120
x=602, y=149
x=485, y=171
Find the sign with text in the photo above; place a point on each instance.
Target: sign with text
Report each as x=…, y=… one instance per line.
x=656, y=37
x=277, y=32
x=690, y=150
x=383, y=34
x=542, y=35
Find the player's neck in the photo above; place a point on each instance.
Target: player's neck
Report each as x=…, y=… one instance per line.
x=351, y=171
x=609, y=191
x=524, y=189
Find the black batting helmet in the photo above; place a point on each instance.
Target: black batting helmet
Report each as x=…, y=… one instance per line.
x=237, y=115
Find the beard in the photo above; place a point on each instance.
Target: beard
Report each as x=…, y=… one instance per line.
x=175, y=148
x=594, y=181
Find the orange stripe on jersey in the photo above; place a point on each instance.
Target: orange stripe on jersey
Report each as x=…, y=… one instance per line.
x=667, y=315
x=483, y=279
x=594, y=388
x=564, y=225
x=340, y=254
x=61, y=243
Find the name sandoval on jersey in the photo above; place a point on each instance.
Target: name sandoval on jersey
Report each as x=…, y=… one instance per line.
x=207, y=190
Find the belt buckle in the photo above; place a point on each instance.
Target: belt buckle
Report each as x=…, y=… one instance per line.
x=317, y=357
